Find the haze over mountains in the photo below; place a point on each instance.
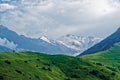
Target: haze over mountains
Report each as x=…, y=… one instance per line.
x=79, y=43
x=69, y=44
x=104, y=44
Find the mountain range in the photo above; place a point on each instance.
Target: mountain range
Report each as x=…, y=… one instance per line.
x=68, y=44
x=29, y=44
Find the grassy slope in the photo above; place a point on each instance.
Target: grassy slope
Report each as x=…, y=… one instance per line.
x=109, y=59
x=33, y=66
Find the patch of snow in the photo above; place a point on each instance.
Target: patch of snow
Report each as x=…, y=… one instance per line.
x=44, y=38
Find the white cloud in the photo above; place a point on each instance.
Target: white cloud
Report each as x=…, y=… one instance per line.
x=8, y=44
x=4, y=7
x=58, y=17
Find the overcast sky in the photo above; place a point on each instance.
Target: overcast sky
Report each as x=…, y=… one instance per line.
x=55, y=18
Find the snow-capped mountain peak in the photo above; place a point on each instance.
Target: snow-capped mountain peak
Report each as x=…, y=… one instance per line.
x=79, y=43
x=44, y=38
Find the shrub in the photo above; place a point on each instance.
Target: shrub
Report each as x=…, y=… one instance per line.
x=13, y=51
x=26, y=61
x=102, y=70
x=119, y=67
x=49, y=69
x=46, y=64
x=85, y=68
x=113, y=74
x=112, y=69
x=87, y=73
x=94, y=72
x=99, y=64
x=76, y=67
x=45, y=68
x=18, y=71
x=75, y=76
x=37, y=66
x=1, y=78
x=53, y=63
x=102, y=77
x=37, y=76
x=38, y=59
x=68, y=79
x=8, y=62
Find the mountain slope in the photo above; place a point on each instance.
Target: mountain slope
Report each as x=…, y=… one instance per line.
x=4, y=49
x=109, y=59
x=34, y=66
x=30, y=44
x=105, y=44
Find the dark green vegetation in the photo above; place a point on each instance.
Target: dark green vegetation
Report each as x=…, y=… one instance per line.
x=34, y=66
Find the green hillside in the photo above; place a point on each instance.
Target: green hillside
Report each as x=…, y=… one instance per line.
x=37, y=66
x=109, y=59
